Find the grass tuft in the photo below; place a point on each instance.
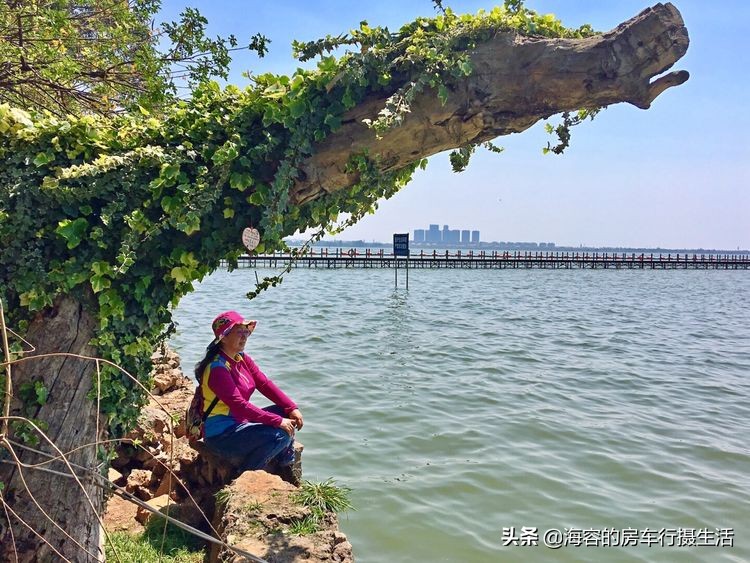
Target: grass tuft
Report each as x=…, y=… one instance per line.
x=222, y=496
x=324, y=497
x=308, y=525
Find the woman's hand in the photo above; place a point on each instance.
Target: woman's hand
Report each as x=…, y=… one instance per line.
x=287, y=425
x=296, y=417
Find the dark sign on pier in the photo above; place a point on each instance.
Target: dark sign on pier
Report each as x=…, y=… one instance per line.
x=401, y=244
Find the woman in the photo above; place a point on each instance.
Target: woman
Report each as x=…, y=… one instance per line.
x=250, y=437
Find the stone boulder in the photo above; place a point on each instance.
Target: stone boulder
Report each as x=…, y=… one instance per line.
x=167, y=374
x=258, y=512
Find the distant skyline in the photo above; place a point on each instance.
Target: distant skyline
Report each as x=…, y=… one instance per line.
x=673, y=176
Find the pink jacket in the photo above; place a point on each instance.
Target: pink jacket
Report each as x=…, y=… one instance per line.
x=233, y=381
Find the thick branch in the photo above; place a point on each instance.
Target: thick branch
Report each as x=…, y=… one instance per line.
x=516, y=82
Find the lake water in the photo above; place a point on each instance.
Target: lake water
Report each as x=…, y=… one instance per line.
x=481, y=400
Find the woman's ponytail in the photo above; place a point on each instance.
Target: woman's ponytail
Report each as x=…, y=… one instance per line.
x=211, y=350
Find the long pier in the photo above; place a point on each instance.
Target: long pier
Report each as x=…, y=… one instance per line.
x=368, y=258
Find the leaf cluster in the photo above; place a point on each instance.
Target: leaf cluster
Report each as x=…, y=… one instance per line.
x=562, y=130
x=105, y=56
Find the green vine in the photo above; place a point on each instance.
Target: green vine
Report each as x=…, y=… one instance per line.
x=126, y=213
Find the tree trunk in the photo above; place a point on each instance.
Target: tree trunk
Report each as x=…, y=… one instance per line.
x=516, y=82
x=72, y=418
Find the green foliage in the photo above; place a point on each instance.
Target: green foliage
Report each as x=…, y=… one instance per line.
x=33, y=395
x=563, y=129
x=460, y=157
x=324, y=497
x=104, y=56
x=222, y=497
x=320, y=498
x=126, y=213
x=178, y=547
x=26, y=433
x=306, y=526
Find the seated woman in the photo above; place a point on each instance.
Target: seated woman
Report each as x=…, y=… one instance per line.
x=250, y=437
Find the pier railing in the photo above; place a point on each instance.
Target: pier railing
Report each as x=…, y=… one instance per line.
x=494, y=259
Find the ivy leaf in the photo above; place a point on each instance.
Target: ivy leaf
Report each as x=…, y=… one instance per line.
x=275, y=91
x=192, y=224
x=101, y=268
x=50, y=182
x=226, y=153
x=257, y=198
x=169, y=203
x=333, y=121
x=72, y=231
x=100, y=283
x=41, y=393
x=240, y=181
x=180, y=274
x=44, y=158
x=170, y=171
x=465, y=67
x=188, y=259
x=442, y=94
x=297, y=108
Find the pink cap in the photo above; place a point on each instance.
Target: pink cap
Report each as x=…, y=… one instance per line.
x=225, y=322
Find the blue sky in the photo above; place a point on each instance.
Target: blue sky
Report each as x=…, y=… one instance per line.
x=674, y=176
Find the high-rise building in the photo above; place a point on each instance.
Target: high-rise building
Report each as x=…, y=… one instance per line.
x=436, y=235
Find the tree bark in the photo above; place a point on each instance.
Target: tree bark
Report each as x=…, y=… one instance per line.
x=516, y=82
x=72, y=419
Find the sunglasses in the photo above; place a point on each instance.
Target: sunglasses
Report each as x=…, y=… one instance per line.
x=243, y=330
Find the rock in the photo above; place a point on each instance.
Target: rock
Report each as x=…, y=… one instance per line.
x=166, y=374
x=152, y=425
x=139, y=483
x=343, y=552
x=138, y=478
x=143, y=515
x=170, y=485
x=189, y=513
x=257, y=513
x=114, y=476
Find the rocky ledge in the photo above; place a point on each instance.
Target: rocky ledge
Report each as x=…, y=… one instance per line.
x=257, y=512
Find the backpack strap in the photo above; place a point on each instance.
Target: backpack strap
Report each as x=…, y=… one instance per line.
x=210, y=408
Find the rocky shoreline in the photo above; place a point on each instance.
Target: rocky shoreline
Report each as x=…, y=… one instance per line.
x=257, y=511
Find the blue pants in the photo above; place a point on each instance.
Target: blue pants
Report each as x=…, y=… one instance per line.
x=252, y=445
